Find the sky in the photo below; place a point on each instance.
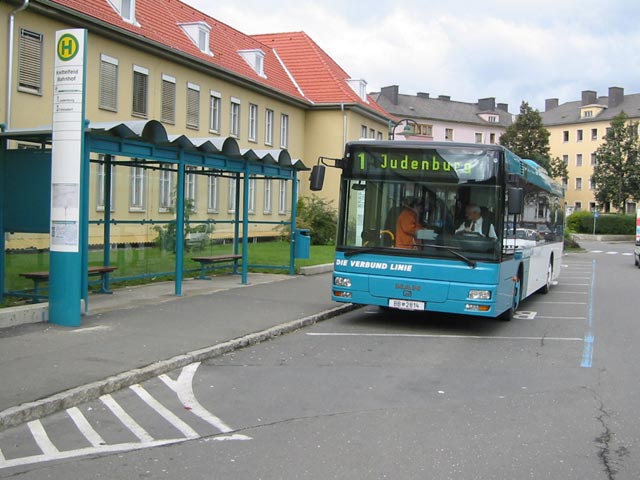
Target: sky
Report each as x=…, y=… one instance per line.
x=514, y=51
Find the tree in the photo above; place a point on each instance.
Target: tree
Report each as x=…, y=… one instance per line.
x=616, y=176
x=528, y=138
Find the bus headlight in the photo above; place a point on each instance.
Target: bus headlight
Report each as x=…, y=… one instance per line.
x=479, y=295
x=342, y=282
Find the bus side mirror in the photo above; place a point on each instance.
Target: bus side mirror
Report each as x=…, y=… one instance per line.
x=317, y=178
x=516, y=201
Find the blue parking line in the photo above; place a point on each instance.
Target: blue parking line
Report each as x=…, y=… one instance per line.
x=589, y=338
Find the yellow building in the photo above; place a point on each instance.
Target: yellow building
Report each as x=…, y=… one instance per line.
x=577, y=130
x=164, y=60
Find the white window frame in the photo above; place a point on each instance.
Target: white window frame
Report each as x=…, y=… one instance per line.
x=215, y=104
x=284, y=130
x=100, y=192
x=268, y=128
x=108, y=83
x=234, y=121
x=142, y=105
x=165, y=190
x=252, y=195
x=193, y=105
x=448, y=134
x=231, y=195
x=578, y=183
x=282, y=197
x=268, y=200
x=168, y=99
x=30, y=58
x=253, y=123
x=578, y=160
x=191, y=187
x=137, y=189
x=213, y=184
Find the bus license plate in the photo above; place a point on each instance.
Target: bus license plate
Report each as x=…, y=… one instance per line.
x=406, y=304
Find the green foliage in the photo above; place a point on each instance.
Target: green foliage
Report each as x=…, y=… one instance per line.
x=167, y=233
x=527, y=137
x=582, y=222
x=318, y=215
x=616, y=175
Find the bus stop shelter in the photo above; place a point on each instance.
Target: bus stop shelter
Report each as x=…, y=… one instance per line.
x=25, y=201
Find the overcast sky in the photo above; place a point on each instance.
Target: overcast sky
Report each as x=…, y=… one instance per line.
x=468, y=49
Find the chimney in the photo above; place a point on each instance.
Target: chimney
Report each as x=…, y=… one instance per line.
x=503, y=106
x=485, y=104
x=616, y=96
x=390, y=93
x=550, y=104
x=423, y=95
x=446, y=98
x=589, y=97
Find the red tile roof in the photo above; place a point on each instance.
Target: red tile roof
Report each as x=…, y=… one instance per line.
x=320, y=78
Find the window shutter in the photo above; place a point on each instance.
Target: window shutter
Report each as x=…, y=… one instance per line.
x=30, y=62
x=139, y=94
x=168, y=113
x=108, y=86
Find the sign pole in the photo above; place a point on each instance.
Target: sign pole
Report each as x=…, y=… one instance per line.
x=66, y=234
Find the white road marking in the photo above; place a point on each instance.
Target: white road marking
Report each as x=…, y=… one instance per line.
x=425, y=335
x=184, y=389
x=163, y=411
x=126, y=419
x=42, y=439
x=91, y=329
x=561, y=303
x=85, y=427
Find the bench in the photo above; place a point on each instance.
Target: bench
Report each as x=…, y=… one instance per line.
x=39, y=277
x=207, y=261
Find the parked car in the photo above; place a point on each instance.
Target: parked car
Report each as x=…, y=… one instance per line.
x=636, y=254
x=199, y=236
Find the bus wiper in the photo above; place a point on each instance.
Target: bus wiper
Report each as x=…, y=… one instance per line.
x=453, y=251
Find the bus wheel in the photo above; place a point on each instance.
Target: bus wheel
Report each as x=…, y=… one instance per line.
x=507, y=315
x=547, y=285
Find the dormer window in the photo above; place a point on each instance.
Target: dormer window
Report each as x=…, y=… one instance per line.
x=126, y=9
x=255, y=59
x=199, y=34
x=360, y=87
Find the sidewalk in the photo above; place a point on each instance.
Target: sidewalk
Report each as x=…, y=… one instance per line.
x=140, y=332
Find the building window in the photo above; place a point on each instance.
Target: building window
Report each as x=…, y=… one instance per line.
x=268, y=129
x=267, y=195
x=478, y=137
x=255, y=59
x=108, y=83
x=594, y=159
x=284, y=131
x=193, y=105
x=166, y=199
x=199, y=33
x=578, y=206
x=252, y=195
x=231, y=193
x=125, y=8
x=578, y=183
x=424, y=129
x=100, y=190
x=594, y=134
x=190, y=188
x=492, y=138
x=30, y=62
x=565, y=160
x=579, y=135
x=448, y=134
x=372, y=133
x=592, y=206
x=379, y=136
x=592, y=184
x=253, y=123
x=168, y=100
x=579, y=160
x=234, y=128
x=212, y=193
x=214, y=111
x=565, y=136
x=140, y=91
x=136, y=188
x=363, y=131
x=587, y=113
x=282, y=198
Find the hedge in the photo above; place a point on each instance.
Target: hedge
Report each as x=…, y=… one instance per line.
x=609, y=224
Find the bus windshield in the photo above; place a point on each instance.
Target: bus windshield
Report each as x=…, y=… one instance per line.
x=422, y=202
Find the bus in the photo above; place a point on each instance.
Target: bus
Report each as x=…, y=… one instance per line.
x=446, y=266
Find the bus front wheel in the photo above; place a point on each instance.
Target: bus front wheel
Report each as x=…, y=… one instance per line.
x=507, y=315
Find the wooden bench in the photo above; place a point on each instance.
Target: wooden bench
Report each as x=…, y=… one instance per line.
x=40, y=277
x=206, y=261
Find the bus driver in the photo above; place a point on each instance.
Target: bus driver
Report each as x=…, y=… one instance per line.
x=475, y=223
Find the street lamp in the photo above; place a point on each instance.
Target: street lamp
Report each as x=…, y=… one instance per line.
x=407, y=131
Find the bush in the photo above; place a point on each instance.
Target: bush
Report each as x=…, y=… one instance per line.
x=319, y=217
x=582, y=222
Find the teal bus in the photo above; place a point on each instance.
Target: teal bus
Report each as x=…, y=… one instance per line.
x=447, y=266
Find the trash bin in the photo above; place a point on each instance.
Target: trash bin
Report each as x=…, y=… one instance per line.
x=302, y=243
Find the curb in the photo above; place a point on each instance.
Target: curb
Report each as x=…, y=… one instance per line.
x=316, y=269
x=13, y=316
x=26, y=412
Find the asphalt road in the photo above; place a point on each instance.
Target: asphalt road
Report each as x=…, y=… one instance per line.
x=376, y=394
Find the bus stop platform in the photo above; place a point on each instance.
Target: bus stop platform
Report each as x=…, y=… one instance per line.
x=141, y=332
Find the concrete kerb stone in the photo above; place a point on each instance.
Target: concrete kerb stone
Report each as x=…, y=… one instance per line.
x=26, y=412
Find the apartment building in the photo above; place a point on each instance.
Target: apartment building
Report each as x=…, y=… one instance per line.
x=164, y=60
x=442, y=119
x=577, y=129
